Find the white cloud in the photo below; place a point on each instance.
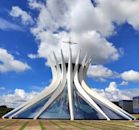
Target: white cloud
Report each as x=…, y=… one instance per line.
x=20, y=93
x=87, y=24
x=90, y=41
x=112, y=87
x=18, y=12
x=33, y=56
x=34, y=4
x=111, y=92
x=124, y=83
x=114, y=94
x=120, y=11
x=62, y=14
x=17, y=98
x=6, y=25
x=100, y=72
x=85, y=17
x=130, y=75
x=9, y=63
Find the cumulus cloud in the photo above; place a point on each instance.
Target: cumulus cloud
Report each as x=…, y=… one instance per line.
x=34, y=4
x=90, y=42
x=100, y=72
x=112, y=87
x=120, y=11
x=17, y=98
x=111, y=92
x=9, y=63
x=130, y=75
x=18, y=12
x=114, y=94
x=85, y=23
x=90, y=17
x=6, y=25
x=57, y=21
x=124, y=83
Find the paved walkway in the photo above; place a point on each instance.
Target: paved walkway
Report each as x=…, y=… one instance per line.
x=66, y=125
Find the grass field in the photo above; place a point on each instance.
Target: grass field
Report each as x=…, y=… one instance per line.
x=20, y=124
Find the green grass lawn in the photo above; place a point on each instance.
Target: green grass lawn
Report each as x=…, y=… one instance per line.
x=24, y=124
x=20, y=124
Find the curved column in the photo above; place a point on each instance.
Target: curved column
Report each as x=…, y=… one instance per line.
x=13, y=111
x=70, y=78
x=103, y=100
x=45, y=92
x=58, y=91
x=77, y=62
x=54, y=74
x=70, y=85
x=86, y=97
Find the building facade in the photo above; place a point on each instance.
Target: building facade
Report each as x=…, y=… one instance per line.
x=136, y=104
x=127, y=105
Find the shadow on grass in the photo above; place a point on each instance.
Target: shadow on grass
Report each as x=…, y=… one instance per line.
x=23, y=126
x=42, y=126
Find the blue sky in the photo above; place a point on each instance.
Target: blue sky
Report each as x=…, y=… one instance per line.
x=30, y=30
